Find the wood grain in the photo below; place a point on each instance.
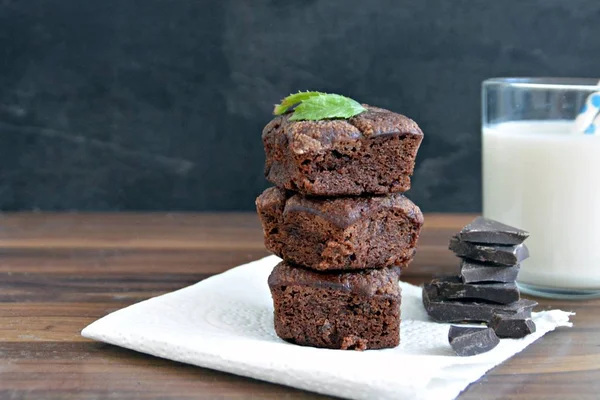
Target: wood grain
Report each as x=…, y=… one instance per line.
x=59, y=272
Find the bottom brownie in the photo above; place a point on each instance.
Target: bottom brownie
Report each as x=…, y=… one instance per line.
x=349, y=311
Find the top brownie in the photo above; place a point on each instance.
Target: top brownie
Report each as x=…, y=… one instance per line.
x=371, y=153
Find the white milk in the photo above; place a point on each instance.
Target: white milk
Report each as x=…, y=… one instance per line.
x=538, y=177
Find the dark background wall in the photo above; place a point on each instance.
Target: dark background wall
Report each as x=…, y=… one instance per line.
x=159, y=104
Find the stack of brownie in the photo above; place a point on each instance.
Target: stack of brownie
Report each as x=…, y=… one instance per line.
x=485, y=290
x=339, y=220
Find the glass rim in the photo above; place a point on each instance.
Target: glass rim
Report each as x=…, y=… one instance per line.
x=551, y=83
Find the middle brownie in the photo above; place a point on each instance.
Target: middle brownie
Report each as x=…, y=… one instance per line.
x=344, y=233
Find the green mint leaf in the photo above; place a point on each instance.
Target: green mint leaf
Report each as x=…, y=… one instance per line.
x=292, y=100
x=326, y=106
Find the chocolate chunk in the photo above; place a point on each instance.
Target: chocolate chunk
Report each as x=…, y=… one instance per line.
x=497, y=254
x=452, y=288
x=473, y=272
x=468, y=341
x=485, y=230
x=456, y=310
x=512, y=326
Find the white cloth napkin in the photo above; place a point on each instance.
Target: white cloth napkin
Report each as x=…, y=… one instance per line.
x=226, y=323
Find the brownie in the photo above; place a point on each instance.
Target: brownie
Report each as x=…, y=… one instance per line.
x=349, y=311
x=373, y=152
x=343, y=233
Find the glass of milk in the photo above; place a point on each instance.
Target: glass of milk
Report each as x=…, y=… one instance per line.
x=542, y=174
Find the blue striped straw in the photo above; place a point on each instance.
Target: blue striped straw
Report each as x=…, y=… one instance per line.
x=594, y=127
x=588, y=120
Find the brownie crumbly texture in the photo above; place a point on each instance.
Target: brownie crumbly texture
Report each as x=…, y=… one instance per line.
x=373, y=152
x=344, y=233
x=351, y=310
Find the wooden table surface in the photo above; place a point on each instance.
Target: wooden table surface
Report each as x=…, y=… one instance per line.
x=60, y=272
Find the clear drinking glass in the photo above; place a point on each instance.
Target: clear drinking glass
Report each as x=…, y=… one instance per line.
x=543, y=175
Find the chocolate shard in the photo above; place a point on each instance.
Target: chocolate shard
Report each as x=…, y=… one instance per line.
x=512, y=326
x=485, y=230
x=458, y=311
x=475, y=272
x=453, y=288
x=496, y=254
x=469, y=341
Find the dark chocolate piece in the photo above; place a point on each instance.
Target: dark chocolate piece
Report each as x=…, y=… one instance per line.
x=457, y=311
x=343, y=233
x=497, y=254
x=468, y=341
x=474, y=272
x=512, y=326
x=485, y=230
x=343, y=310
x=453, y=288
x=371, y=153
